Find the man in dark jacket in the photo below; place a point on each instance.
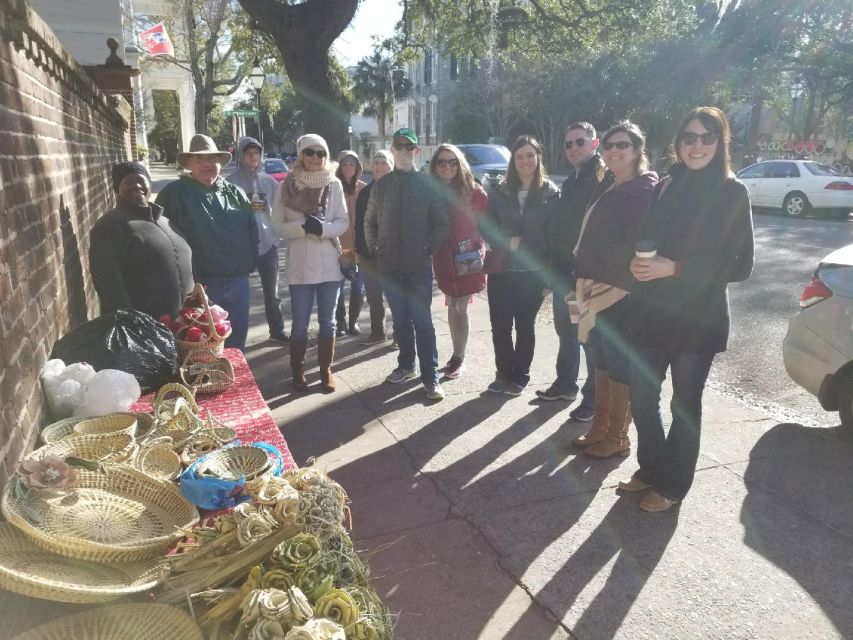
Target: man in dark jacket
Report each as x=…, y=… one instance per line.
x=216, y=219
x=406, y=220
x=587, y=170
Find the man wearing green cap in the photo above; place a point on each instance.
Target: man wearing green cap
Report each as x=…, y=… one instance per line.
x=406, y=220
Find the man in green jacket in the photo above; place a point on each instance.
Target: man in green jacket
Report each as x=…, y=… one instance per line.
x=215, y=217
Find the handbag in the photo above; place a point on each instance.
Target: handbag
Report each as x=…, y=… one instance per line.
x=347, y=262
x=468, y=262
x=496, y=260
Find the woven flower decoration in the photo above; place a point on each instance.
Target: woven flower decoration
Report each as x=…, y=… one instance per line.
x=51, y=472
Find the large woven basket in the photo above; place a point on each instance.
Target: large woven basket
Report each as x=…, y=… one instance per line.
x=110, y=447
x=31, y=571
x=146, y=621
x=122, y=515
x=192, y=352
x=112, y=423
x=232, y=462
x=58, y=430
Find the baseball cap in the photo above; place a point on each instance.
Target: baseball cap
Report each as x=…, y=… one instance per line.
x=406, y=133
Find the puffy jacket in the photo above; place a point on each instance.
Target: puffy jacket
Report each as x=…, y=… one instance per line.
x=464, y=225
x=505, y=219
x=406, y=221
x=607, y=243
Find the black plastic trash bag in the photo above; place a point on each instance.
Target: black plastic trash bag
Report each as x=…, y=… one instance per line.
x=126, y=340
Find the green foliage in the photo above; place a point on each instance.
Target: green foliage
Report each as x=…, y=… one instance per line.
x=377, y=84
x=166, y=134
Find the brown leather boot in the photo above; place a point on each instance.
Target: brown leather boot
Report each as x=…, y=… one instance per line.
x=601, y=422
x=325, y=356
x=297, y=364
x=616, y=443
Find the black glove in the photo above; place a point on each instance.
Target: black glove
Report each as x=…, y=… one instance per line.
x=313, y=225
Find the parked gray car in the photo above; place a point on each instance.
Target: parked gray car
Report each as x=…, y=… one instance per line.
x=489, y=162
x=818, y=348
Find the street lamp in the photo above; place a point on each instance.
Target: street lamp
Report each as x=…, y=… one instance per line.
x=797, y=91
x=349, y=136
x=257, y=78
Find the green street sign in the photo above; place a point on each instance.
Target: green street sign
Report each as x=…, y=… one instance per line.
x=242, y=114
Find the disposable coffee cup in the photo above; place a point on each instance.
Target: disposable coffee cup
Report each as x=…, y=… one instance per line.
x=646, y=249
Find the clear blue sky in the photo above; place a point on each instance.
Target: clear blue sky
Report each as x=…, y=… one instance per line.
x=374, y=17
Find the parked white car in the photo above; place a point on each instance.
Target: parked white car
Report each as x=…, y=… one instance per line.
x=798, y=187
x=818, y=348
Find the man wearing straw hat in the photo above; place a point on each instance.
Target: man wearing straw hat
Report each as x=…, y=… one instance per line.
x=215, y=217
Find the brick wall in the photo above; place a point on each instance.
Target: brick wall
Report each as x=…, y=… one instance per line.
x=58, y=138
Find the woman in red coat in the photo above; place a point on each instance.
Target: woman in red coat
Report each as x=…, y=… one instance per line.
x=458, y=263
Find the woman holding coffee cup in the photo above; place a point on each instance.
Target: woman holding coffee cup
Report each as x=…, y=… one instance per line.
x=700, y=224
x=606, y=246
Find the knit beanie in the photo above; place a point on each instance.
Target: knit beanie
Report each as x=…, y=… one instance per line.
x=124, y=169
x=311, y=140
x=385, y=155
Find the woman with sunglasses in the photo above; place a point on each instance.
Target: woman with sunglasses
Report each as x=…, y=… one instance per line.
x=311, y=207
x=604, y=250
x=701, y=226
x=458, y=263
x=515, y=226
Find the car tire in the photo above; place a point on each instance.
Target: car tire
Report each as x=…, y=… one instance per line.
x=796, y=205
x=845, y=402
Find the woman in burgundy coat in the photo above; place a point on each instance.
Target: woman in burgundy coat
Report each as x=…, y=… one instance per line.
x=458, y=263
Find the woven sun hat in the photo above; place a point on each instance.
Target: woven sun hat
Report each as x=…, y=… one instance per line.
x=28, y=569
x=202, y=145
x=143, y=621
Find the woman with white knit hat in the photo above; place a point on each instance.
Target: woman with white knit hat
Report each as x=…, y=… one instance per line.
x=311, y=210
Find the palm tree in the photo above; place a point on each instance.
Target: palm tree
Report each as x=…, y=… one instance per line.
x=378, y=82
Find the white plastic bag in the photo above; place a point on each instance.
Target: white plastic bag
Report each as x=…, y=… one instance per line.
x=109, y=391
x=63, y=386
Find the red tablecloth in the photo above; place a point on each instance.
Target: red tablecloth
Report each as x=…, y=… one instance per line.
x=241, y=407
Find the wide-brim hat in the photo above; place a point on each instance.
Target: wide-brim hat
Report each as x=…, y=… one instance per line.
x=202, y=145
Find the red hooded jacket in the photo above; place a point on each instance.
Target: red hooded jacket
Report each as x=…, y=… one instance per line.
x=464, y=225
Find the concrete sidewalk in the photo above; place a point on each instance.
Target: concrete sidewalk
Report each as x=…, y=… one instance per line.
x=480, y=520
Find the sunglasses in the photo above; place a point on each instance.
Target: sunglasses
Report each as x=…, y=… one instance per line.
x=622, y=144
x=688, y=137
x=578, y=141
x=314, y=152
x=446, y=162
x=408, y=146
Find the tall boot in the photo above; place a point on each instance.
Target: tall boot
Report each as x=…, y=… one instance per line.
x=325, y=356
x=297, y=364
x=616, y=443
x=601, y=422
x=356, y=301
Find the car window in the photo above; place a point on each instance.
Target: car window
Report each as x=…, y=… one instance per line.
x=784, y=170
x=817, y=169
x=274, y=166
x=755, y=171
x=486, y=154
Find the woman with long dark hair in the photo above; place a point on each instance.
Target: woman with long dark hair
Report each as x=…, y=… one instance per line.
x=515, y=227
x=604, y=250
x=458, y=262
x=700, y=224
x=349, y=173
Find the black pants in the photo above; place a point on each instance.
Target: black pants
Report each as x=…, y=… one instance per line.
x=514, y=299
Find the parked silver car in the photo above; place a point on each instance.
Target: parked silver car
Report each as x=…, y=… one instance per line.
x=818, y=348
x=489, y=162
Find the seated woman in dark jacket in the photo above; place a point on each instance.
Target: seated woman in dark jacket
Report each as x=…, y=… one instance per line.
x=604, y=251
x=515, y=226
x=137, y=259
x=701, y=224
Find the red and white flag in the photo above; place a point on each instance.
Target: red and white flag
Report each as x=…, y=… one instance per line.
x=156, y=41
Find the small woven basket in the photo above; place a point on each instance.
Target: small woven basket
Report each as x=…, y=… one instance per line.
x=192, y=352
x=110, y=447
x=214, y=376
x=232, y=462
x=113, y=423
x=58, y=430
x=31, y=571
x=145, y=621
x=122, y=515
x=159, y=461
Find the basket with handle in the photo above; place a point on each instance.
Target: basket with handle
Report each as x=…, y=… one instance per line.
x=192, y=352
x=214, y=376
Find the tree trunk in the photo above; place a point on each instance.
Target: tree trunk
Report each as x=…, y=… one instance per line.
x=303, y=34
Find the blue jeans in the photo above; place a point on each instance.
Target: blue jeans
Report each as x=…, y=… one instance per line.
x=668, y=460
x=610, y=344
x=232, y=294
x=268, y=270
x=302, y=301
x=410, y=297
x=356, y=291
x=569, y=353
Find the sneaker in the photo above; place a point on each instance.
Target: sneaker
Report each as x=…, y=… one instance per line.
x=497, y=386
x=373, y=339
x=394, y=346
x=582, y=414
x=454, y=368
x=433, y=391
x=354, y=330
x=280, y=337
x=340, y=332
x=655, y=502
x=513, y=389
x=399, y=375
x=633, y=484
x=553, y=393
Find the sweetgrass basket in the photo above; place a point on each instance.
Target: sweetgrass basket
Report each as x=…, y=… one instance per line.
x=112, y=423
x=58, y=430
x=232, y=462
x=192, y=352
x=159, y=461
x=28, y=569
x=146, y=621
x=214, y=376
x=121, y=515
x=110, y=447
